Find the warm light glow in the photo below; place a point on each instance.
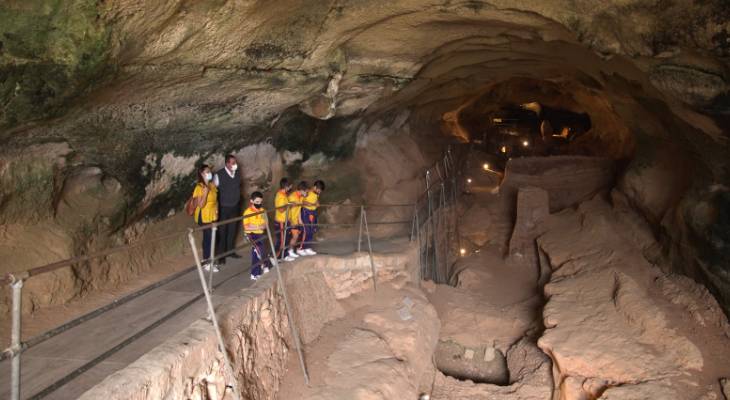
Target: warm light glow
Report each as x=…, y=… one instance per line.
x=497, y=120
x=525, y=143
x=468, y=180
x=486, y=167
x=462, y=251
x=503, y=149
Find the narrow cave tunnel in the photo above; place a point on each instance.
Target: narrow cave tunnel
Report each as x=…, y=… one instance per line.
x=537, y=192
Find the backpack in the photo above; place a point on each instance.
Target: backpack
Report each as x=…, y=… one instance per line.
x=190, y=206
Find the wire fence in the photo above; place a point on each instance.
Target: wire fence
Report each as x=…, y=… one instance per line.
x=429, y=221
x=435, y=215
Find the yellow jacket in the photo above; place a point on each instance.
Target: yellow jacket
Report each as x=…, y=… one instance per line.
x=280, y=202
x=311, y=198
x=295, y=208
x=255, y=224
x=210, y=208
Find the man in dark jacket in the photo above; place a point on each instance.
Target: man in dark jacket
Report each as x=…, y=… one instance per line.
x=228, y=180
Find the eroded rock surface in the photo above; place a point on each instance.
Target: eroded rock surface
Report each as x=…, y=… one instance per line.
x=387, y=356
x=530, y=379
x=611, y=327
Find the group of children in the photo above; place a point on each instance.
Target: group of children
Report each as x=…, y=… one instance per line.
x=295, y=223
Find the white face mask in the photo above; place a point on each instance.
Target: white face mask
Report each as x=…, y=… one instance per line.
x=208, y=176
x=234, y=167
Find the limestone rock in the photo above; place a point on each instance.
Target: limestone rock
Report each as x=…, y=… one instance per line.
x=481, y=365
x=87, y=197
x=568, y=180
x=313, y=302
x=605, y=327
x=20, y=243
x=641, y=391
x=532, y=211
x=387, y=358
x=530, y=379
x=472, y=321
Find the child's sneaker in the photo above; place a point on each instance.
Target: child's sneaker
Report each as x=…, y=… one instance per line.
x=254, y=277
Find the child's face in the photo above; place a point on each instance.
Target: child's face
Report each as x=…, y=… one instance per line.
x=257, y=202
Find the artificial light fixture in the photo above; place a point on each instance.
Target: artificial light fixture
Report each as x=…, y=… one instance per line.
x=525, y=143
x=503, y=149
x=468, y=180
x=485, y=166
x=462, y=251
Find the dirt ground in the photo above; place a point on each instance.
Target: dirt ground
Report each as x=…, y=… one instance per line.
x=601, y=323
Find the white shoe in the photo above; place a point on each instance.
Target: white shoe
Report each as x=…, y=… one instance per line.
x=254, y=277
x=289, y=259
x=310, y=252
x=272, y=261
x=302, y=252
x=266, y=270
x=206, y=267
x=292, y=254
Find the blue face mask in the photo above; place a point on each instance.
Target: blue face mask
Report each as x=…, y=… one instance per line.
x=208, y=176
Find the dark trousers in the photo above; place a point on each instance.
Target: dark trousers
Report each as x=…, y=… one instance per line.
x=207, y=234
x=226, y=235
x=309, y=218
x=259, y=254
x=282, y=239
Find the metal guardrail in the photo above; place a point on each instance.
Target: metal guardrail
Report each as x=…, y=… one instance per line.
x=17, y=280
x=424, y=229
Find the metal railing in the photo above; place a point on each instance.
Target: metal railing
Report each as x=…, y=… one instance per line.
x=17, y=280
x=428, y=228
x=434, y=216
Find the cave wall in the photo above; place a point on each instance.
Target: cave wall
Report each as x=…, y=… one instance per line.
x=108, y=106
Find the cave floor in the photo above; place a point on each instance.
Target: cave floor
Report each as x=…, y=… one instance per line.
x=613, y=325
x=59, y=356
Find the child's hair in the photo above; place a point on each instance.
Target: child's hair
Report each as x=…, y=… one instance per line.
x=319, y=184
x=283, y=183
x=303, y=185
x=257, y=195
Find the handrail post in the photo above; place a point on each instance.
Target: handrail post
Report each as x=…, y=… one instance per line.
x=211, y=312
x=284, y=241
x=433, y=228
x=413, y=224
x=445, y=232
x=282, y=286
x=15, y=336
x=420, y=252
x=359, y=235
x=212, y=257
x=370, y=250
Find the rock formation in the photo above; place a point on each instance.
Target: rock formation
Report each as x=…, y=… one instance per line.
x=106, y=108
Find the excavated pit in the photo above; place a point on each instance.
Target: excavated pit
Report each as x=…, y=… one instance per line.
x=479, y=365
